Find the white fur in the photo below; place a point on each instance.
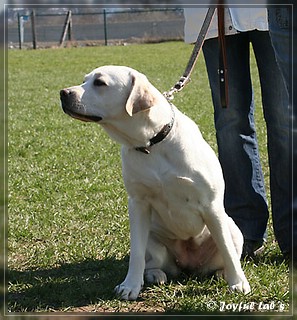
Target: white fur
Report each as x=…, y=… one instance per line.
x=176, y=212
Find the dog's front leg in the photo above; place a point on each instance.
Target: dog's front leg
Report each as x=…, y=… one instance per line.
x=216, y=221
x=140, y=220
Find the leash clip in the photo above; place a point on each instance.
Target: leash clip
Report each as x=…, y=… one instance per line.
x=177, y=87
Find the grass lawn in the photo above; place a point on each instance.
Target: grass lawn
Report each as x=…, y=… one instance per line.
x=68, y=234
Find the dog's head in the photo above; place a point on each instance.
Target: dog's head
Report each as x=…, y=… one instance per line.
x=108, y=92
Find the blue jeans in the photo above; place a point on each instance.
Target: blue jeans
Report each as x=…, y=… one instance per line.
x=280, y=32
x=280, y=27
x=245, y=197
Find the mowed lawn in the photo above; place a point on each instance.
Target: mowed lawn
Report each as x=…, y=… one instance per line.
x=68, y=228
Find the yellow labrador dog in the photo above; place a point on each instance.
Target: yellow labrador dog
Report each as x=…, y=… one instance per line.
x=172, y=176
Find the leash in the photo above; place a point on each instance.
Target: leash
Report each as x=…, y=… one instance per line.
x=190, y=66
x=185, y=78
x=223, y=75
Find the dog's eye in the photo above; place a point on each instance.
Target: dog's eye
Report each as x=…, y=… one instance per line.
x=98, y=82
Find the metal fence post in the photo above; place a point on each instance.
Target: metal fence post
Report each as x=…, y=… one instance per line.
x=70, y=27
x=33, y=29
x=105, y=27
x=19, y=31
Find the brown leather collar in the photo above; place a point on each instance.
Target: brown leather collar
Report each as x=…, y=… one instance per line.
x=159, y=136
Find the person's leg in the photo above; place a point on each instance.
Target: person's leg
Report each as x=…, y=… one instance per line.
x=280, y=24
x=245, y=199
x=281, y=32
x=276, y=112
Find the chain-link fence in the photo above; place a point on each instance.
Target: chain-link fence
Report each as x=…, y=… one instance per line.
x=93, y=27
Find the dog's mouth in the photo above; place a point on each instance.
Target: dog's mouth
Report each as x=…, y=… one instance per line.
x=82, y=117
x=70, y=104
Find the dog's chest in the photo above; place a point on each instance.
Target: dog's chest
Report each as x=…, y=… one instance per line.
x=179, y=205
x=177, y=201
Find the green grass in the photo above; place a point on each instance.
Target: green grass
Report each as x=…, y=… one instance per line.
x=68, y=233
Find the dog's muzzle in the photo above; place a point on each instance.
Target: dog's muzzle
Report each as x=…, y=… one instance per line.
x=72, y=107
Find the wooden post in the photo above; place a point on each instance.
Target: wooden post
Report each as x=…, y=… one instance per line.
x=68, y=23
x=34, y=40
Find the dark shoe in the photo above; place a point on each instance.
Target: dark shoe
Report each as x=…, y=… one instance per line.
x=251, y=249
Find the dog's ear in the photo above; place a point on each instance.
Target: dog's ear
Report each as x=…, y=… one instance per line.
x=140, y=97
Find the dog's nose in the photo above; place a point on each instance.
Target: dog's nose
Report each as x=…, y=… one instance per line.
x=65, y=93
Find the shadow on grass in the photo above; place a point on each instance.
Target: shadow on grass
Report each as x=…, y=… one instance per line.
x=76, y=285
x=271, y=258
x=70, y=285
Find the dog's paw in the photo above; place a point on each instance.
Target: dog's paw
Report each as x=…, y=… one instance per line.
x=242, y=286
x=127, y=292
x=155, y=276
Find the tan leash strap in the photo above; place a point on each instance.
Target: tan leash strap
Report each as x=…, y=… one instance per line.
x=194, y=56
